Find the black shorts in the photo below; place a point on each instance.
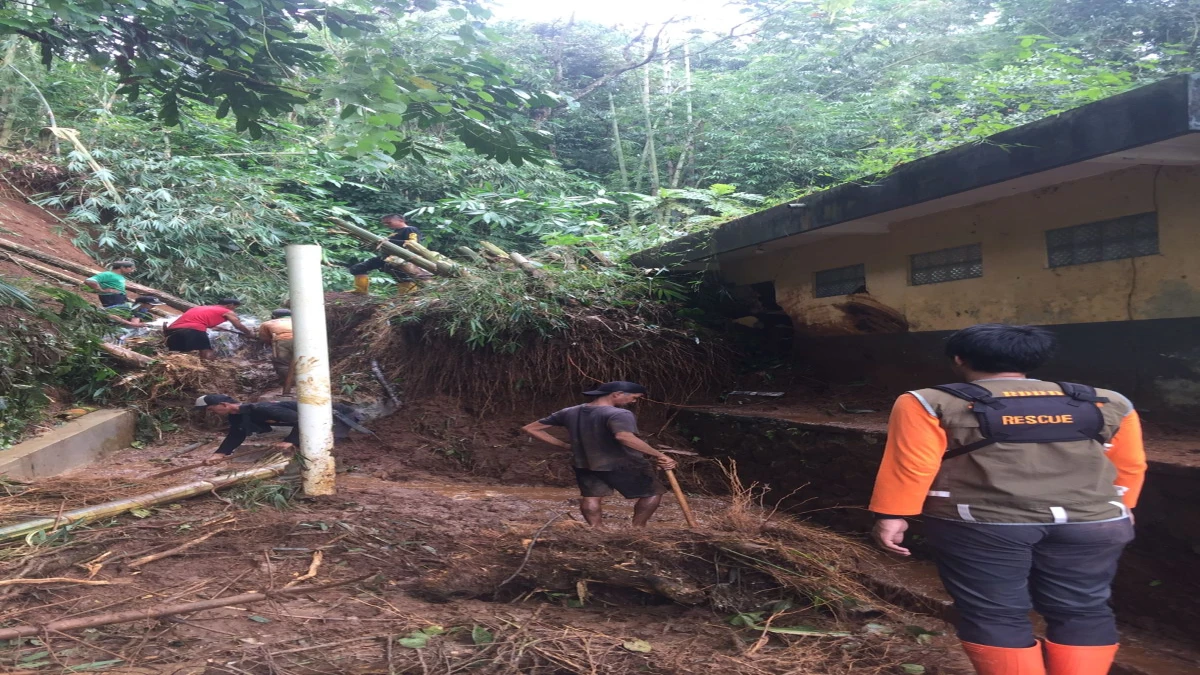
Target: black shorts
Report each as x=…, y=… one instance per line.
x=113, y=299
x=632, y=483
x=188, y=340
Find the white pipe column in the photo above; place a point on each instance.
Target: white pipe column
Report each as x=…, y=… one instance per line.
x=310, y=363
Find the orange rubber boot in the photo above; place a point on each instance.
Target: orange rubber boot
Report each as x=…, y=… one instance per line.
x=1005, y=660
x=1071, y=660
x=362, y=283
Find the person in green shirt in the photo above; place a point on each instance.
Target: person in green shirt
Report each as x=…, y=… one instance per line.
x=110, y=285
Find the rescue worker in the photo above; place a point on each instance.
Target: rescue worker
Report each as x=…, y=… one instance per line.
x=606, y=452
x=1025, y=488
x=259, y=418
x=402, y=233
x=110, y=285
x=277, y=334
x=189, y=332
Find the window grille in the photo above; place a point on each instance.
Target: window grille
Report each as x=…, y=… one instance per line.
x=948, y=264
x=1127, y=237
x=841, y=281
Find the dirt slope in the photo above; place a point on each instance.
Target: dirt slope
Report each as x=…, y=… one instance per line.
x=38, y=229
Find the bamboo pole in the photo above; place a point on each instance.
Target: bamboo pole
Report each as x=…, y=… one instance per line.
x=176, y=302
x=494, y=250
x=109, y=618
x=472, y=255
x=372, y=238
x=163, y=496
x=127, y=356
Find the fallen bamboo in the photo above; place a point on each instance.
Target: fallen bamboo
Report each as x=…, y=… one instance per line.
x=173, y=301
x=519, y=260
x=371, y=238
x=108, y=618
x=494, y=250
x=170, y=552
x=163, y=496
x=127, y=356
x=472, y=255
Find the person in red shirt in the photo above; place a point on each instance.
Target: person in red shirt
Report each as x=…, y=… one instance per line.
x=189, y=333
x=1026, y=490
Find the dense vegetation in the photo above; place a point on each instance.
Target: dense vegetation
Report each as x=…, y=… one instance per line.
x=213, y=132
x=207, y=154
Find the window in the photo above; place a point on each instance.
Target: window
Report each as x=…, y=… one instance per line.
x=841, y=281
x=1127, y=237
x=948, y=264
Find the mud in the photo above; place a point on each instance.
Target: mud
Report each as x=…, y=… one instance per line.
x=440, y=538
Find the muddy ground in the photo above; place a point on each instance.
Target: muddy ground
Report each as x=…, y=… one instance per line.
x=434, y=522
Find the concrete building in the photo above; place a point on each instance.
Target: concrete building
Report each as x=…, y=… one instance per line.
x=1087, y=222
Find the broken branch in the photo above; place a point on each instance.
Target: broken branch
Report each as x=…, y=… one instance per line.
x=108, y=618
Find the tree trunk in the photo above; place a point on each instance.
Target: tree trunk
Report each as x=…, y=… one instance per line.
x=617, y=148
x=689, y=142
x=46, y=104
x=173, y=301
x=6, y=97
x=651, y=157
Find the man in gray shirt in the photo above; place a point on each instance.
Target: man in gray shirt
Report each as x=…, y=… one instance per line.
x=606, y=452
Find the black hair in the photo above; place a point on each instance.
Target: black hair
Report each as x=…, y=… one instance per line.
x=229, y=301
x=280, y=313
x=122, y=264
x=393, y=216
x=997, y=348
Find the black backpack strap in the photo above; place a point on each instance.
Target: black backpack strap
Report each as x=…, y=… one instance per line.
x=972, y=447
x=971, y=392
x=1081, y=392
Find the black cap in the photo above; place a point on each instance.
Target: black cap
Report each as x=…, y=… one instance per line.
x=229, y=301
x=148, y=300
x=213, y=399
x=614, y=387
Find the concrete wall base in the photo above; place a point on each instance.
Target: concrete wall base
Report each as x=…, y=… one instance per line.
x=76, y=443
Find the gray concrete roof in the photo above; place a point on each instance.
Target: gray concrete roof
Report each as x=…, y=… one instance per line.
x=1155, y=124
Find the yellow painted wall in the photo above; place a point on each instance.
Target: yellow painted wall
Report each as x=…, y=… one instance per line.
x=1017, y=285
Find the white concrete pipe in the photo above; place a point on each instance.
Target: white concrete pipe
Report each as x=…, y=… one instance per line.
x=310, y=364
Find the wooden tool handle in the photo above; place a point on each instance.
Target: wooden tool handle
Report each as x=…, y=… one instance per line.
x=683, y=502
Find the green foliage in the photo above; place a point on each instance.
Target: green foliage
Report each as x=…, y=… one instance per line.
x=270, y=58
x=53, y=347
x=501, y=309
x=185, y=221
x=256, y=494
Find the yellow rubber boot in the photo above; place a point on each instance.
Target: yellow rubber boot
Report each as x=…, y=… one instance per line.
x=362, y=283
x=1004, y=660
x=1072, y=660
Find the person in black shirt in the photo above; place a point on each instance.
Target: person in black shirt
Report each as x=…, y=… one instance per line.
x=258, y=418
x=402, y=233
x=606, y=451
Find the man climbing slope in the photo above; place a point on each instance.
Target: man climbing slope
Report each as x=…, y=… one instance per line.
x=259, y=418
x=277, y=334
x=402, y=233
x=189, y=333
x=606, y=452
x=1026, y=489
x=110, y=285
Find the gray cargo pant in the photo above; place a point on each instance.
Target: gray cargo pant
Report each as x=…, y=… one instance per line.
x=997, y=573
